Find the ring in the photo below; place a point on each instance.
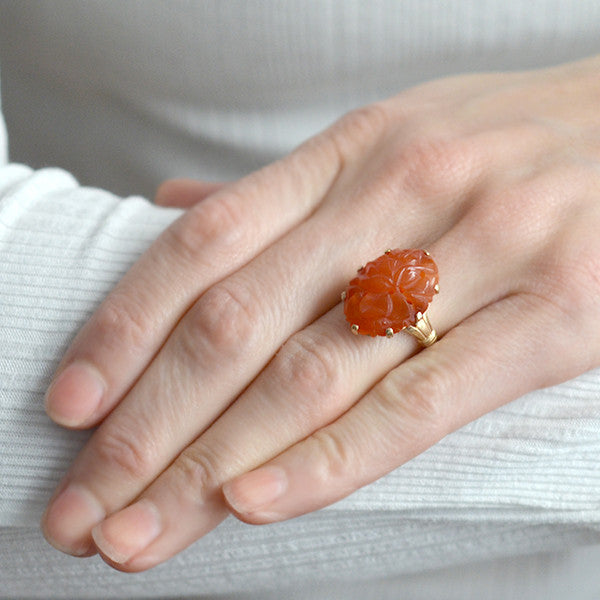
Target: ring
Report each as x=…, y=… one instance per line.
x=391, y=294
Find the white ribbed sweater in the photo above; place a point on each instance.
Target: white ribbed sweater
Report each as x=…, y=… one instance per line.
x=125, y=95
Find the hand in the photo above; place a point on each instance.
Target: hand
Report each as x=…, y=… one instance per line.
x=221, y=368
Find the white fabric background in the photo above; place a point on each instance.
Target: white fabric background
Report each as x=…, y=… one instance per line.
x=125, y=95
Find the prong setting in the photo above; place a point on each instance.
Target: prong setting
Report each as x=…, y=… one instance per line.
x=377, y=293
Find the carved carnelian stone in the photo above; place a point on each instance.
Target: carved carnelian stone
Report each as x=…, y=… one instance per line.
x=389, y=291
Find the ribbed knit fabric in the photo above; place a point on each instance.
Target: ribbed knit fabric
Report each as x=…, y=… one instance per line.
x=125, y=95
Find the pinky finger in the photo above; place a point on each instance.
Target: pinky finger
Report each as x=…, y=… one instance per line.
x=496, y=355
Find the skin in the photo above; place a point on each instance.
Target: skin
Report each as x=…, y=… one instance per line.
x=225, y=377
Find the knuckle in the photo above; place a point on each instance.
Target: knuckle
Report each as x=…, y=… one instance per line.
x=427, y=401
x=506, y=220
x=195, y=473
x=418, y=405
x=585, y=279
x=122, y=320
x=132, y=454
x=564, y=292
x=337, y=461
x=526, y=212
x=572, y=275
x=216, y=222
x=224, y=320
x=309, y=366
x=431, y=165
x=358, y=128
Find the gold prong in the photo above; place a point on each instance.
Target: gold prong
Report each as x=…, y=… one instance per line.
x=422, y=330
x=427, y=252
x=388, y=250
x=343, y=294
x=389, y=332
x=436, y=288
x=354, y=329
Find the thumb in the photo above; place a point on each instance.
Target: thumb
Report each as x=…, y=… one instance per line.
x=184, y=193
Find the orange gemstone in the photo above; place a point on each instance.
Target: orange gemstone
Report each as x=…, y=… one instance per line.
x=389, y=291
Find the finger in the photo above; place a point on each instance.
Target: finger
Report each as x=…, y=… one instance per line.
x=185, y=502
x=211, y=240
x=228, y=337
x=317, y=375
x=461, y=377
x=218, y=347
x=184, y=193
x=223, y=232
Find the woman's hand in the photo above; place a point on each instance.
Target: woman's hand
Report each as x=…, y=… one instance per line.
x=221, y=368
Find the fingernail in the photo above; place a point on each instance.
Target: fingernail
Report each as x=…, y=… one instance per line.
x=128, y=532
x=75, y=394
x=69, y=519
x=255, y=490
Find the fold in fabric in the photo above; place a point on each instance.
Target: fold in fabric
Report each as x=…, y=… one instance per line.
x=328, y=555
